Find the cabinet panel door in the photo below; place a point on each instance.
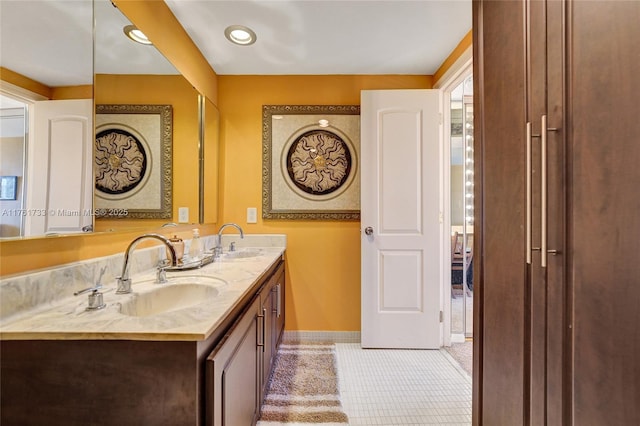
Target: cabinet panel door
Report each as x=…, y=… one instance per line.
x=279, y=309
x=267, y=350
x=233, y=373
x=499, y=79
x=547, y=285
x=240, y=381
x=604, y=270
x=536, y=320
x=555, y=324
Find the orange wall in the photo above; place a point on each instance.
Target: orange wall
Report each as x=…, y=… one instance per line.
x=62, y=92
x=171, y=90
x=19, y=256
x=25, y=82
x=72, y=92
x=323, y=257
x=464, y=44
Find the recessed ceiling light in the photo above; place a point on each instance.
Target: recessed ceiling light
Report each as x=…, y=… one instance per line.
x=239, y=34
x=323, y=123
x=135, y=34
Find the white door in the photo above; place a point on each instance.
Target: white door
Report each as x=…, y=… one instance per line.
x=400, y=218
x=60, y=179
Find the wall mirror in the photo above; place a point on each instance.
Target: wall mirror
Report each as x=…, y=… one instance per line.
x=135, y=79
x=125, y=73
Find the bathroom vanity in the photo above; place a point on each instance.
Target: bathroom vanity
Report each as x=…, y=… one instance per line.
x=140, y=363
x=238, y=369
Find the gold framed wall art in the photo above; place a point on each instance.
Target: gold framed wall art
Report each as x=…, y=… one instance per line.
x=133, y=161
x=310, y=162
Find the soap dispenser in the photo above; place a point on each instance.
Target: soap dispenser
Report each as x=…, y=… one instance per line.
x=196, y=249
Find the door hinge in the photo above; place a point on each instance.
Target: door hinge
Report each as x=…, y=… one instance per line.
x=441, y=316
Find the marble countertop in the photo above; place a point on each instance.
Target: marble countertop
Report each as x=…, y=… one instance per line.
x=67, y=319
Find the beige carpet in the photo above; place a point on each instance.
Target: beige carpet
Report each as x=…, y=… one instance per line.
x=463, y=354
x=303, y=387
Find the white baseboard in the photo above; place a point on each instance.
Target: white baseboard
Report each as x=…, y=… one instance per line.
x=322, y=336
x=457, y=338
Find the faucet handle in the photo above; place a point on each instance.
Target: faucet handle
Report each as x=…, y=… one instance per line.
x=95, y=298
x=161, y=275
x=95, y=288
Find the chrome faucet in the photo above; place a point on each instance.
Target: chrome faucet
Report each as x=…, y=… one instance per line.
x=124, y=282
x=217, y=251
x=96, y=300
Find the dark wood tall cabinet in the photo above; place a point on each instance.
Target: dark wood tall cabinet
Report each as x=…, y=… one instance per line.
x=557, y=134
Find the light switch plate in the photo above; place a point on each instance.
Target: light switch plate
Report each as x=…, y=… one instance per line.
x=183, y=214
x=252, y=215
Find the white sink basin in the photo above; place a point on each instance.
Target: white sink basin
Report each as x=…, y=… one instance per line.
x=184, y=278
x=167, y=298
x=243, y=253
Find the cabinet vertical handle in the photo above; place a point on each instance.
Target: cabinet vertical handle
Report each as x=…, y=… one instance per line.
x=529, y=194
x=264, y=320
x=278, y=300
x=543, y=191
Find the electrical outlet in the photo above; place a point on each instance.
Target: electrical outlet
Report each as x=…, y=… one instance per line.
x=252, y=215
x=183, y=214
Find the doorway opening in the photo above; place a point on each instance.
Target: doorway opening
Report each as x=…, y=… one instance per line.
x=458, y=195
x=461, y=207
x=458, y=162
x=13, y=158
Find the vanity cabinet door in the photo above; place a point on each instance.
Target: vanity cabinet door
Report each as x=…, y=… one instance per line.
x=278, y=308
x=232, y=370
x=273, y=310
x=268, y=348
x=238, y=369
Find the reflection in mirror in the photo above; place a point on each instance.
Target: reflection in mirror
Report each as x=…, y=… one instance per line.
x=13, y=139
x=128, y=73
x=46, y=76
x=209, y=157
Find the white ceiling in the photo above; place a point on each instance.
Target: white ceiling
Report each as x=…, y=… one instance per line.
x=50, y=40
x=117, y=54
x=327, y=37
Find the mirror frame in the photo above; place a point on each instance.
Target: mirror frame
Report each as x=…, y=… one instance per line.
x=209, y=154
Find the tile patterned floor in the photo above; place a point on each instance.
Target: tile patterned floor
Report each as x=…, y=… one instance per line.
x=402, y=387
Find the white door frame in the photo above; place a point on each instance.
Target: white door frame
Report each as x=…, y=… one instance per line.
x=460, y=69
x=28, y=98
